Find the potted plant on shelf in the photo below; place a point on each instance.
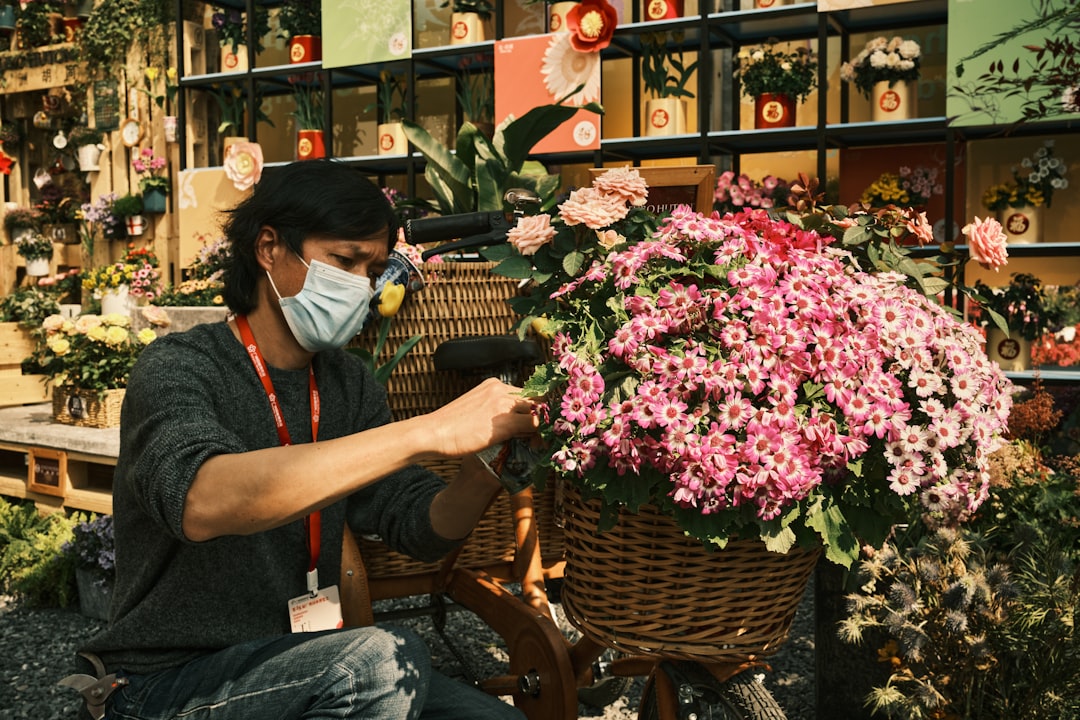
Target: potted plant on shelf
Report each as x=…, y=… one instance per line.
x=93, y=551
x=20, y=222
x=390, y=106
x=665, y=76
x=89, y=145
x=310, y=121
x=885, y=71
x=1019, y=204
x=129, y=208
x=37, y=24
x=59, y=211
x=37, y=250
x=154, y=186
x=1021, y=307
x=301, y=27
x=110, y=287
x=476, y=96
x=101, y=216
x=231, y=27
x=910, y=187
x=556, y=13
x=87, y=361
x=776, y=80
x=467, y=20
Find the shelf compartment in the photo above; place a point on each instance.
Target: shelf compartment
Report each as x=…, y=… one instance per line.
x=744, y=27
x=897, y=132
x=885, y=17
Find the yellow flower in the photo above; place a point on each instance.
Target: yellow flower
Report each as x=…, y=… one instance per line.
x=218, y=300
x=152, y=73
x=170, y=74
x=59, y=345
x=543, y=327
x=68, y=327
x=116, y=320
x=116, y=336
x=390, y=299
x=146, y=336
x=97, y=334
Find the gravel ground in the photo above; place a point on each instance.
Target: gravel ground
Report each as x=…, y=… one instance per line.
x=36, y=648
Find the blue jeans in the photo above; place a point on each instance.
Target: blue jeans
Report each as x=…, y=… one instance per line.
x=367, y=672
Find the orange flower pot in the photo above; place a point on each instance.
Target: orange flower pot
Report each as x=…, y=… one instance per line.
x=309, y=145
x=663, y=9
x=305, y=48
x=774, y=110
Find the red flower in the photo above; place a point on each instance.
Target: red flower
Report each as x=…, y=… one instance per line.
x=591, y=24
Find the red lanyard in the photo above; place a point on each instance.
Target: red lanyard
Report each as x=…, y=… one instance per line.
x=313, y=522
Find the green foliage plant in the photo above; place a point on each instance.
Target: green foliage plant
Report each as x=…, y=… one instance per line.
x=309, y=107
x=1020, y=306
x=128, y=205
x=770, y=70
x=21, y=218
x=35, y=247
x=483, y=8
x=477, y=174
x=29, y=306
x=35, y=26
x=117, y=27
x=81, y=135
x=663, y=68
x=300, y=17
x=33, y=566
x=390, y=98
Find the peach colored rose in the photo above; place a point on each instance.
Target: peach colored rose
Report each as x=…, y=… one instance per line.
x=243, y=164
x=156, y=316
x=987, y=243
x=626, y=183
x=592, y=208
x=921, y=228
x=531, y=233
x=609, y=238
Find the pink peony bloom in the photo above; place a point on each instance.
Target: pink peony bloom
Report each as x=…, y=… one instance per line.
x=531, y=233
x=987, y=243
x=243, y=164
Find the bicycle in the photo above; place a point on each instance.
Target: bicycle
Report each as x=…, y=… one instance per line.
x=547, y=672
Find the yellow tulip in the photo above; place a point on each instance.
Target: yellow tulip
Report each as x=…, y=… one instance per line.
x=152, y=73
x=390, y=299
x=170, y=74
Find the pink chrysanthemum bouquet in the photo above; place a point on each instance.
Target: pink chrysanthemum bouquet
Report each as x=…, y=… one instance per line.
x=745, y=375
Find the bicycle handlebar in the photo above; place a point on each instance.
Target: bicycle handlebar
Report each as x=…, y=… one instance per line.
x=472, y=230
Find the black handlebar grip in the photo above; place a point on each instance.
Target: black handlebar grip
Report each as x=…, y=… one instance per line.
x=446, y=227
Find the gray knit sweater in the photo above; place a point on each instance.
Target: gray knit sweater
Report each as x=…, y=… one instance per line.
x=194, y=395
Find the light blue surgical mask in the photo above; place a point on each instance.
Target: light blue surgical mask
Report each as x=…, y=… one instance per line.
x=329, y=310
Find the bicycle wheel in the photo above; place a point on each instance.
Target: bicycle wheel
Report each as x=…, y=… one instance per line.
x=689, y=691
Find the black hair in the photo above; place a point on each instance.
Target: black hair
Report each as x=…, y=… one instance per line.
x=324, y=198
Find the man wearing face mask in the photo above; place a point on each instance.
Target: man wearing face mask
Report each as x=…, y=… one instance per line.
x=245, y=448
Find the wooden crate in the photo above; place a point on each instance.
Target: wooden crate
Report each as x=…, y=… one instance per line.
x=15, y=388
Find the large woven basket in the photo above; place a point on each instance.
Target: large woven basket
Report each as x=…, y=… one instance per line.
x=460, y=299
x=86, y=408
x=645, y=588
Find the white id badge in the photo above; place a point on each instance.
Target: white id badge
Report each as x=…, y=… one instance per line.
x=321, y=611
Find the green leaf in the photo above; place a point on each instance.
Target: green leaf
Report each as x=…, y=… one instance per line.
x=933, y=286
x=522, y=134
x=515, y=266
x=382, y=374
x=573, y=262
x=857, y=235
x=779, y=542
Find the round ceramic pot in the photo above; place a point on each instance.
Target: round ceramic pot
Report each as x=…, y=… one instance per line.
x=305, y=48
x=392, y=140
x=665, y=116
x=136, y=225
x=1012, y=354
x=234, y=62
x=116, y=300
x=557, y=15
x=1022, y=225
x=663, y=9
x=310, y=145
x=466, y=28
x=38, y=267
x=774, y=110
x=892, y=102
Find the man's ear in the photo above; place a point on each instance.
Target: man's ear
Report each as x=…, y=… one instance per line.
x=266, y=244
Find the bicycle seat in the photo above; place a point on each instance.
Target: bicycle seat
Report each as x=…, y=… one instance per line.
x=485, y=352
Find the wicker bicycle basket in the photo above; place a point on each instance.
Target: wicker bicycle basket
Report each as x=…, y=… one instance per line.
x=645, y=588
x=460, y=299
